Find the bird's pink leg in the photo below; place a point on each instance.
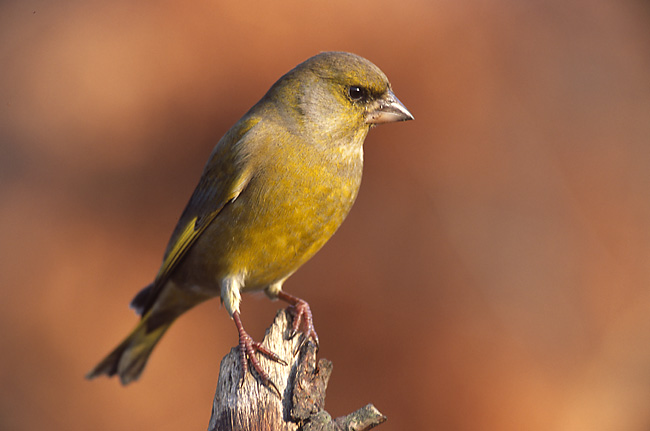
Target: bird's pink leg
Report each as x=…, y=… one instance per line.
x=302, y=313
x=247, y=349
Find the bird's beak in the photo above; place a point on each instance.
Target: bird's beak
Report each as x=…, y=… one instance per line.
x=387, y=109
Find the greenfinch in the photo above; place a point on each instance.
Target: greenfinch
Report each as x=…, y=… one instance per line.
x=275, y=188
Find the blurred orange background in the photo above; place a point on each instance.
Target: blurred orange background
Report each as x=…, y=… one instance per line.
x=493, y=274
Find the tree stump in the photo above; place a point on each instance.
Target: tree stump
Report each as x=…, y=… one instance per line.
x=248, y=405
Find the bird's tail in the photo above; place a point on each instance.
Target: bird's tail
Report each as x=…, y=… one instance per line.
x=129, y=358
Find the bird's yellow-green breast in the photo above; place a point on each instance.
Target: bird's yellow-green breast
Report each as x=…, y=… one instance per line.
x=293, y=202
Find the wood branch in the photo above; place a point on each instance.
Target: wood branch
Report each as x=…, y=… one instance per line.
x=248, y=405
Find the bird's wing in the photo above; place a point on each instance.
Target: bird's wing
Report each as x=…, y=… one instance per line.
x=225, y=176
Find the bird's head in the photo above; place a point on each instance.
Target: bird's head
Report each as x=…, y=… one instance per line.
x=337, y=94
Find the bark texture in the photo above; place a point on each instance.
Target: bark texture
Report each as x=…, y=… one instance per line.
x=248, y=405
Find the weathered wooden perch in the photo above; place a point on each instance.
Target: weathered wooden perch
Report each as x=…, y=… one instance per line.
x=250, y=406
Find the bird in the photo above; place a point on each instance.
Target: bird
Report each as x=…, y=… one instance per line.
x=275, y=188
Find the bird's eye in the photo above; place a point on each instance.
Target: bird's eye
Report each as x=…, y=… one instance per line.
x=357, y=93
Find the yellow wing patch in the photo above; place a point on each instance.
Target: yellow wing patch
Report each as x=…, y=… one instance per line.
x=186, y=238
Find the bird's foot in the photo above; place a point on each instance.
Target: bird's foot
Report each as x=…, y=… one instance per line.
x=301, y=315
x=247, y=349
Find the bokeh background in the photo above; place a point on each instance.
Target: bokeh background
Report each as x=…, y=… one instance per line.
x=493, y=275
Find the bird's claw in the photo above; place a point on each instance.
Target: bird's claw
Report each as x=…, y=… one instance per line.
x=247, y=349
x=302, y=316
